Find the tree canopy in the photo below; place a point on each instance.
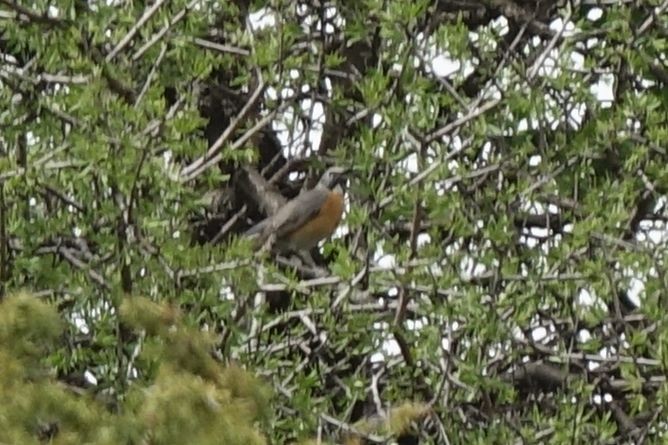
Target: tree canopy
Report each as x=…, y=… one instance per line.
x=499, y=275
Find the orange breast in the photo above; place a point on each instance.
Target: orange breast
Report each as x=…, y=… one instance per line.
x=320, y=227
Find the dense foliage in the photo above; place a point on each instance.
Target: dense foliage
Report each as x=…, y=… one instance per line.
x=500, y=273
x=192, y=398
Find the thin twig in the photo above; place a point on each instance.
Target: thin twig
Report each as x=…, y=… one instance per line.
x=238, y=143
x=217, y=146
x=129, y=36
x=157, y=36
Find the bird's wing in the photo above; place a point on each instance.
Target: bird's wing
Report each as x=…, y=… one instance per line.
x=291, y=216
x=298, y=211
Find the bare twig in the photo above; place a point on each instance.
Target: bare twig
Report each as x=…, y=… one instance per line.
x=130, y=35
x=218, y=145
x=220, y=47
x=157, y=36
x=151, y=74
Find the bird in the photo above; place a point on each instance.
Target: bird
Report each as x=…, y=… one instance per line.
x=307, y=219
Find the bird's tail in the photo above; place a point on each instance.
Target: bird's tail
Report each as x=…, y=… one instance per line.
x=257, y=228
